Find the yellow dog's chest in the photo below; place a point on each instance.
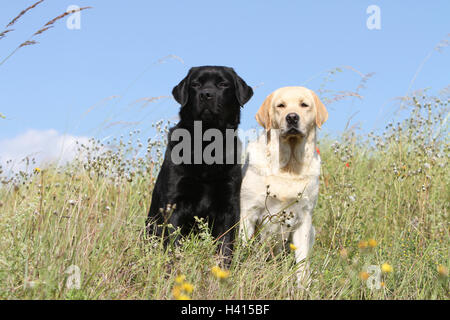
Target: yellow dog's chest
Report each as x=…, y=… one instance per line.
x=287, y=189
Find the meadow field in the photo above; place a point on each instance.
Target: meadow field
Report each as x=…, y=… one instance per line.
x=77, y=231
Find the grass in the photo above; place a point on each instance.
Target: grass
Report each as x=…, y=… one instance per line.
x=383, y=202
x=43, y=29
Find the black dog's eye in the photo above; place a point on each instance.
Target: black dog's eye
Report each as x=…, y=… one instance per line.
x=304, y=105
x=195, y=84
x=223, y=85
x=281, y=105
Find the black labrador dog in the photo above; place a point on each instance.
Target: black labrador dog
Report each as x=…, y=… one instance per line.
x=189, y=183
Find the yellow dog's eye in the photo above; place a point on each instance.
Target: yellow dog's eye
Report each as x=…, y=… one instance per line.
x=281, y=105
x=304, y=105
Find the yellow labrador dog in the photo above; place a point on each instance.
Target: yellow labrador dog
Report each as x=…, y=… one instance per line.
x=281, y=183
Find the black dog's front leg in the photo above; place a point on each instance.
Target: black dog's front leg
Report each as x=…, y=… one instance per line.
x=171, y=220
x=225, y=231
x=226, y=236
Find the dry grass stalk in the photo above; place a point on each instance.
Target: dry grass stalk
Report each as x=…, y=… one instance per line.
x=28, y=43
x=13, y=21
x=100, y=103
x=47, y=26
x=341, y=95
x=444, y=43
x=41, y=30
x=3, y=34
x=148, y=100
x=63, y=15
x=170, y=56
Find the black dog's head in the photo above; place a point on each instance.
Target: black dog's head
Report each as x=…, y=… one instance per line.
x=213, y=95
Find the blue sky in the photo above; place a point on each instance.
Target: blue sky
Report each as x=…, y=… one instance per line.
x=118, y=50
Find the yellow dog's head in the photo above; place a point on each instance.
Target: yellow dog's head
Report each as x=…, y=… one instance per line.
x=292, y=110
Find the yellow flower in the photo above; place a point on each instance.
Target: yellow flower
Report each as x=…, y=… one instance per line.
x=382, y=284
x=372, y=243
x=363, y=275
x=442, y=270
x=37, y=170
x=223, y=274
x=362, y=244
x=182, y=288
x=215, y=270
x=219, y=273
x=292, y=247
x=180, y=279
x=187, y=287
x=386, y=268
x=176, y=292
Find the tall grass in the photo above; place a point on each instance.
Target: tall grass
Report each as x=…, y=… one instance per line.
x=30, y=41
x=390, y=188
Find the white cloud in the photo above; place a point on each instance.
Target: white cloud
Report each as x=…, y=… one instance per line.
x=46, y=146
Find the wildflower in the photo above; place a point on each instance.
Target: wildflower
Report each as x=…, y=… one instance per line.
x=372, y=243
x=176, y=292
x=182, y=288
x=317, y=150
x=386, y=268
x=382, y=284
x=187, y=287
x=362, y=244
x=180, y=279
x=220, y=273
x=443, y=272
x=347, y=164
x=363, y=275
x=37, y=170
x=215, y=269
x=292, y=247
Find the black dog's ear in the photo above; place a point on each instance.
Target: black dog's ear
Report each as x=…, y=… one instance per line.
x=243, y=91
x=181, y=91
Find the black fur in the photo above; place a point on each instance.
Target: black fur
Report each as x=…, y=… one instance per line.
x=214, y=96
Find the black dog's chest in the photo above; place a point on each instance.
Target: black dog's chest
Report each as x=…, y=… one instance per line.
x=204, y=192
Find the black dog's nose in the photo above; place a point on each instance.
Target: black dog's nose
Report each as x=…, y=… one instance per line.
x=206, y=95
x=292, y=118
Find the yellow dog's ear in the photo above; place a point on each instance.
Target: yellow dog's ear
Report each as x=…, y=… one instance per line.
x=263, y=114
x=321, y=111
